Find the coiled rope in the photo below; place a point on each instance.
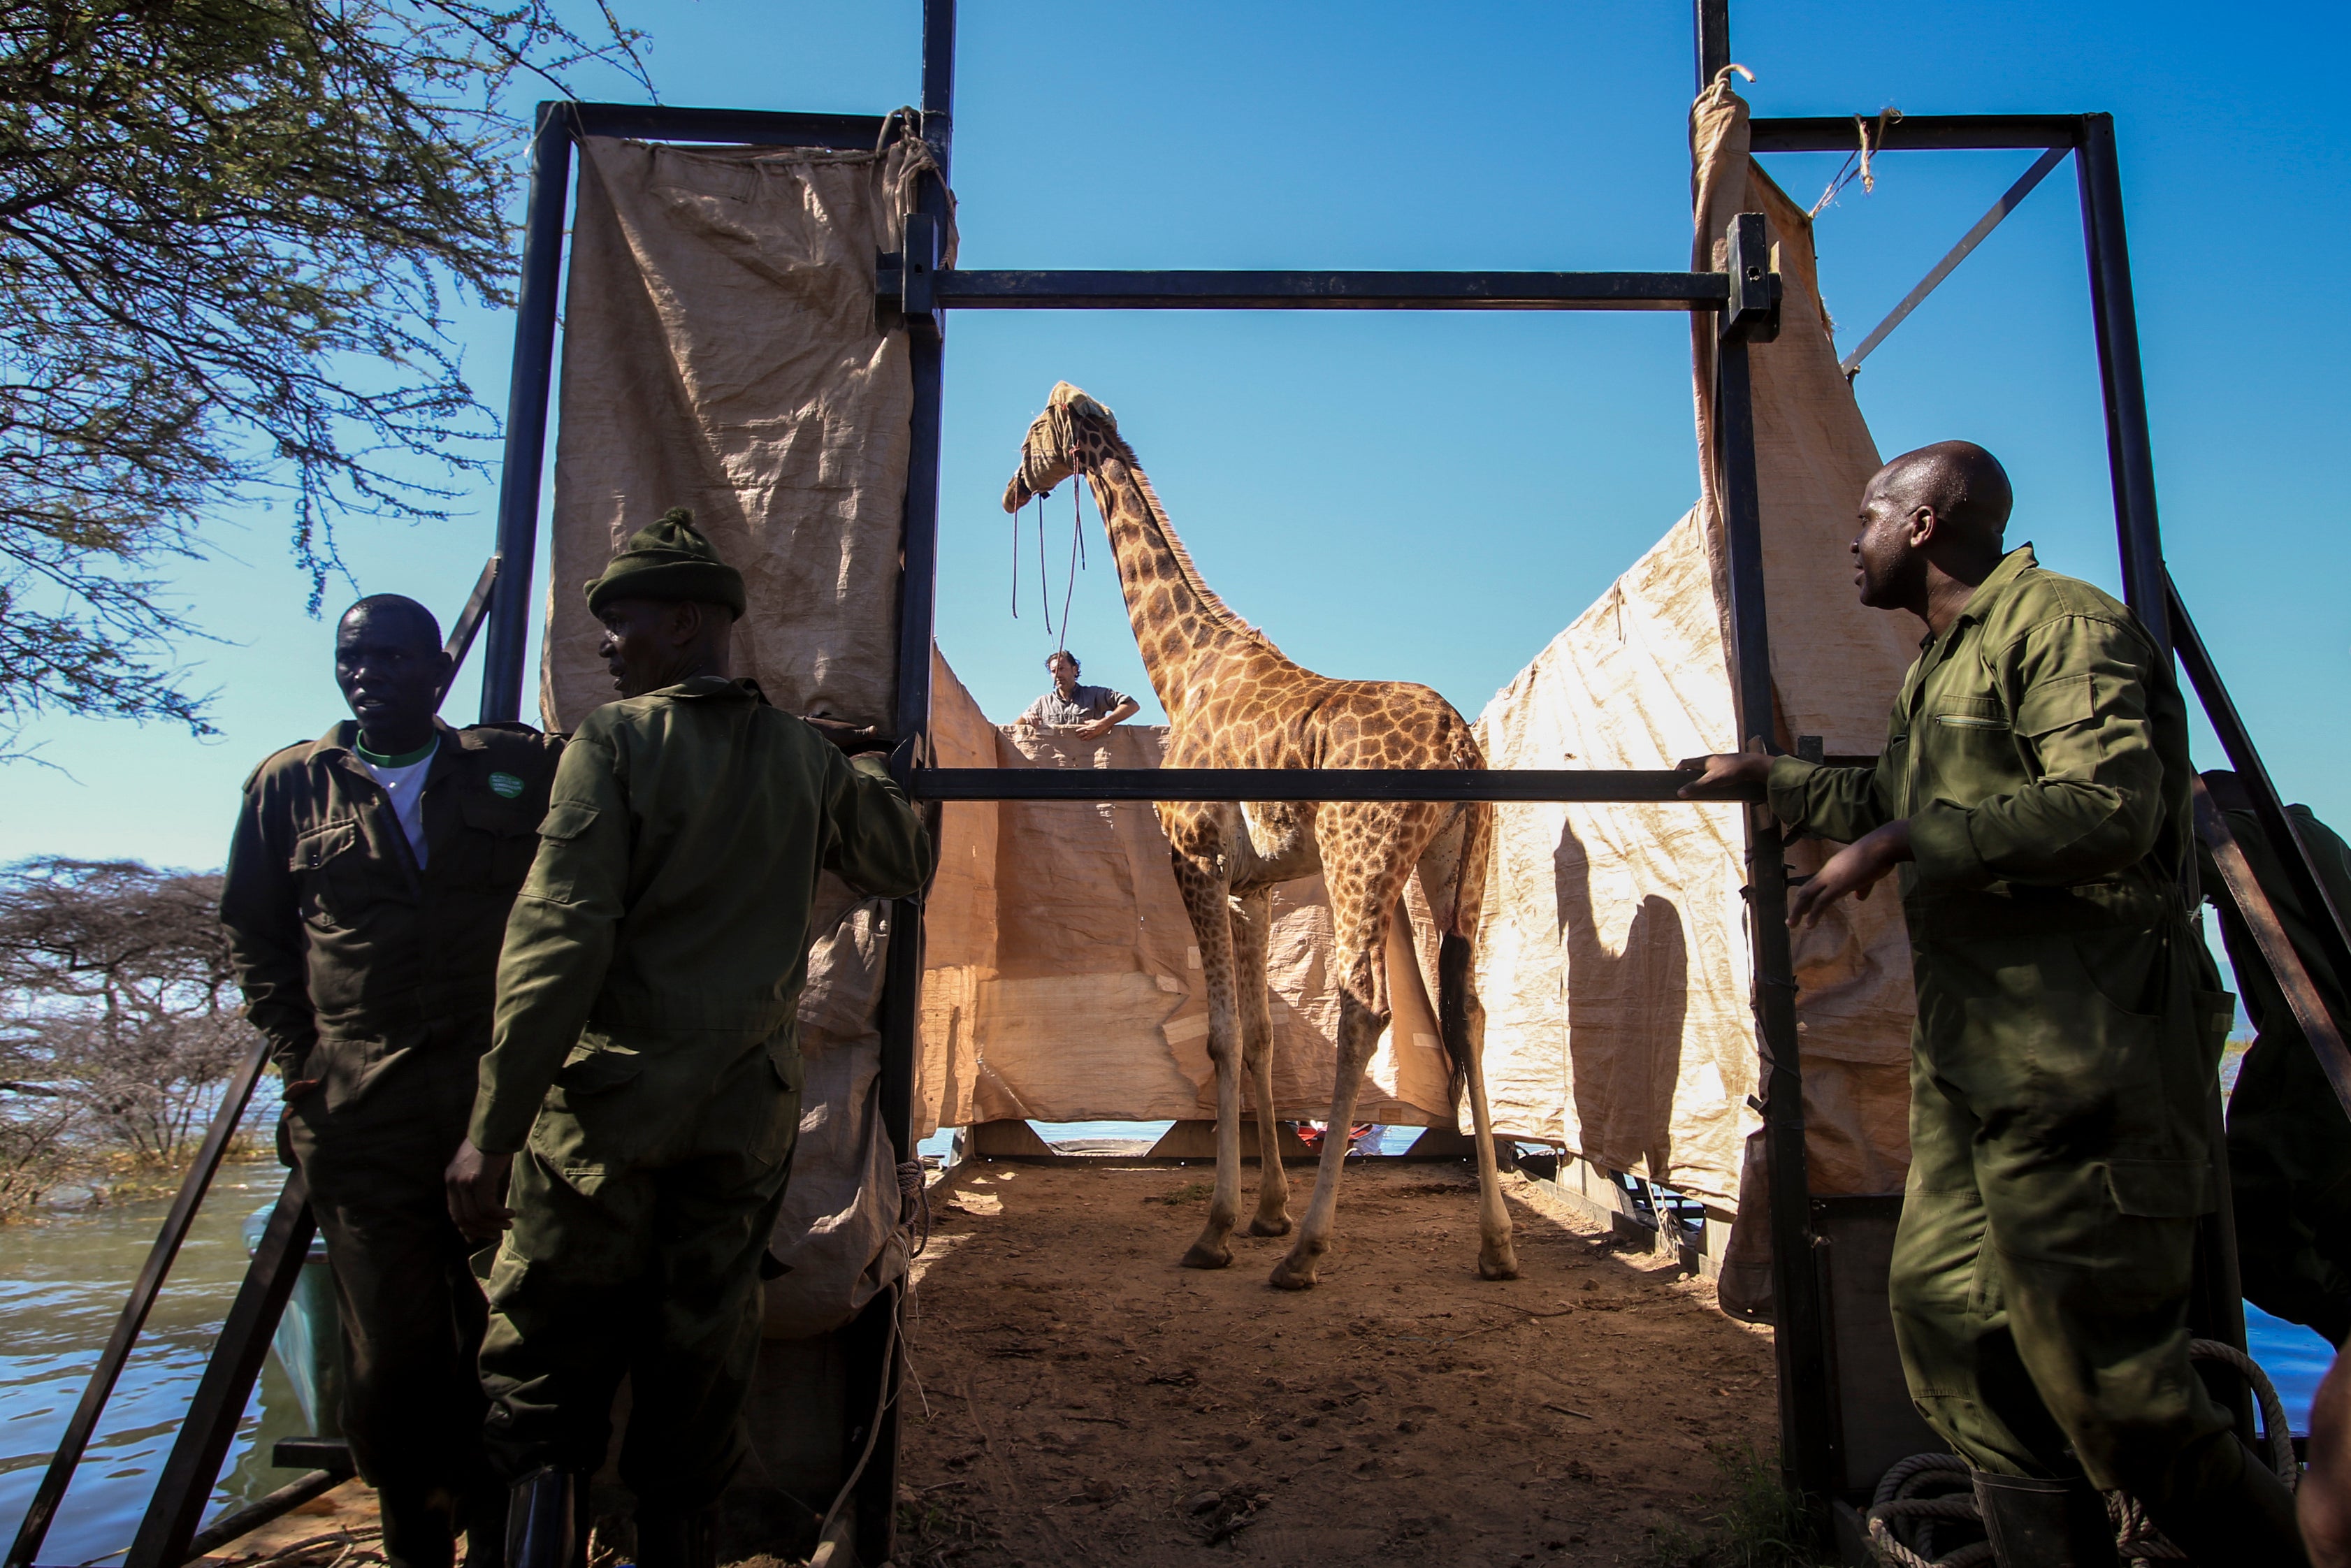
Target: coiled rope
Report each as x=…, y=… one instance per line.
x=1928, y=1490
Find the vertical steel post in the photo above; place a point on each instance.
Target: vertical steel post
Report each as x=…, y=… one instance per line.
x=902, y=994
x=918, y=585
x=527, y=397
x=1808, y=1430
x=1712, y=29
x=2217, y=1309
x=2130, y=456
x=194, y=1465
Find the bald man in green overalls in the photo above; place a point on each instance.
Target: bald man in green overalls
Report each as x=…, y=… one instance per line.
x=2033, y=797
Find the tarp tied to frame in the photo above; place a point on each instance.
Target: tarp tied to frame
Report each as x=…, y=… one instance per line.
x=1614, y=961
x=721, y=351
x=1060, y=979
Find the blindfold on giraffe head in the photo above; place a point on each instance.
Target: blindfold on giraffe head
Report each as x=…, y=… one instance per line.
x=1051, y=453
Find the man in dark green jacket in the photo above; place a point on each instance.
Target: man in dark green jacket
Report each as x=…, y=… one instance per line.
x=367, y=893
x=2289, y=1140
x=645, y=1086
x=2033, y=796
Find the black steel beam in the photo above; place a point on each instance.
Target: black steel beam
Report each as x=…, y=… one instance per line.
x=1809, y=1438
x=881, y=1367
x=1650, y=786
x=1710, y=31
x=527, y=397
x=2130, y=451
x=1001, y=290
x=1917, y=132
x=34, y=1527
x=245, y=1521
x=194, y=1465
x=729, y=127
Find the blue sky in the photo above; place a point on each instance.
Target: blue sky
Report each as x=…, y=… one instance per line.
x=1434, y=497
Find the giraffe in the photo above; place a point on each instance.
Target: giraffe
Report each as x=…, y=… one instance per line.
x=1234, y=701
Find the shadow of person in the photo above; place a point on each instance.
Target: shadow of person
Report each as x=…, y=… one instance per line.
x=1625, y=1013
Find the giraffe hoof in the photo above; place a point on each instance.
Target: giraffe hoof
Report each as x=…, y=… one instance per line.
x=1290, y=1275
x=1203, y=1256
x=1502, y=1267
x=1278, y=1225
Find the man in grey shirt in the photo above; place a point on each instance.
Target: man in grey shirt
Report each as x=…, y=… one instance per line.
x=1085, y=711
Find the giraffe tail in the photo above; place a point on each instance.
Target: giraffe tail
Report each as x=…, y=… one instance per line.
x=1460, y=1015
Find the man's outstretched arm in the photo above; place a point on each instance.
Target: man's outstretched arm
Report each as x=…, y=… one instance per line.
x=879, y=844
x=1838, y=803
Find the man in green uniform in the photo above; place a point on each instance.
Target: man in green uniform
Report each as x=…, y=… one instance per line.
x=367, y=893
x=2289, y=1140
x=2033, y=794
x=645, y=1086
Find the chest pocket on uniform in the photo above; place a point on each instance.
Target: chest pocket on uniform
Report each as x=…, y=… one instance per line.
x=1971, y=713
x=323, y=857
x=500, y=841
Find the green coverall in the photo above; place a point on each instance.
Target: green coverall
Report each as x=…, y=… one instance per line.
x=647, y=1072
x=2289, y=1140
x=373, y=982
x=2065, y=1060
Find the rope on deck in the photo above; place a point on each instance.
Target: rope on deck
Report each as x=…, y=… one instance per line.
x=1930, y=1489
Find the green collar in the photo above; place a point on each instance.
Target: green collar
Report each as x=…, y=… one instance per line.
x=406, y=759
x=2012, y=565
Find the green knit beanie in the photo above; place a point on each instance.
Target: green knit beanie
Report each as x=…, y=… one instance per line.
x=670, y=560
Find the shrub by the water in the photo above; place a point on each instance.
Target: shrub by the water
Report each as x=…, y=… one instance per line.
x=121, y=1021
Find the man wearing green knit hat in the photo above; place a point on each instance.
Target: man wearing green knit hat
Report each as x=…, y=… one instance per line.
x=638, y=1106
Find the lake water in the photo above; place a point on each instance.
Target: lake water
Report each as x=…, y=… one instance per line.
x=63, y=1282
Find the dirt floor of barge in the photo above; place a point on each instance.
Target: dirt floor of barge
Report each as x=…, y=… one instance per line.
x=1083, y=1400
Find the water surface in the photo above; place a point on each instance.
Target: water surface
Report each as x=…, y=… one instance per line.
x=62, y=1284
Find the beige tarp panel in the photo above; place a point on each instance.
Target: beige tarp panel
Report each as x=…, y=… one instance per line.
x=837, y=1234
x=1061, y=982
x=1612, y=960
x=721, y=351
x=1615, y=960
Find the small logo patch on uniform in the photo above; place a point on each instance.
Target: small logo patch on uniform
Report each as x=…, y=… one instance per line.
x=505, y=786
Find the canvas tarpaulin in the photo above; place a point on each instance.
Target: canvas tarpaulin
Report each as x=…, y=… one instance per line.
x=1061, y=982
x=837, y=1239
x=1614, y=962
x=721, y=350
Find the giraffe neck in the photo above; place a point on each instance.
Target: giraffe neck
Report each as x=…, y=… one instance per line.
x=1180, y=625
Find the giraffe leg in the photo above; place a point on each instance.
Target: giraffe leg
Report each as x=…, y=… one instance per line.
x=1252, y=924
x=1363, y=903
x=1497, y=1258
x=1206, y=901
x=1359, y=1034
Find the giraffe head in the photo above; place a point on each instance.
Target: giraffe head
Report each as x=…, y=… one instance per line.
x=1056, y=442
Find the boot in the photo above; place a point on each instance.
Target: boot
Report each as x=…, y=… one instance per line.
x=546, y=1520
x=2246, y=1520
x=420, y=1526
x=668, y=1539
x=485, y=1515
x=2038, y=1523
